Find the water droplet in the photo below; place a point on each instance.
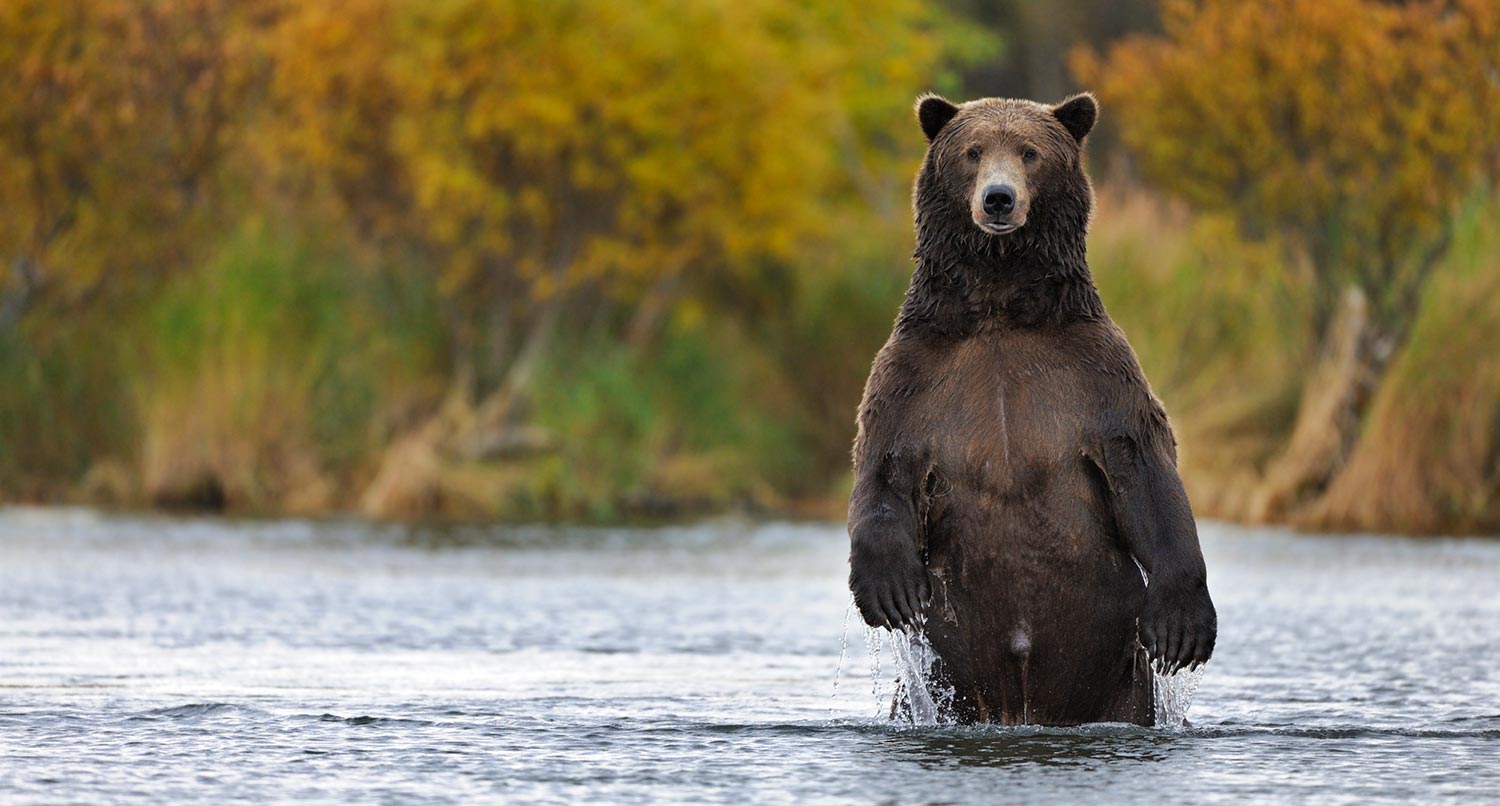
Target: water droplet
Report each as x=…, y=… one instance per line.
x=843, y=653
x=919, y=696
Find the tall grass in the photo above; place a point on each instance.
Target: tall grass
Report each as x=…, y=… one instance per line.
x=747, y=409
x=267, y=379
x=1429, y=459
x=1221, y=329
x=823, y=334
x=699, y=422
x=60, y=408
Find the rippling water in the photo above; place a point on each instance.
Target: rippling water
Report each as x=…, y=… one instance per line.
x=149, y=659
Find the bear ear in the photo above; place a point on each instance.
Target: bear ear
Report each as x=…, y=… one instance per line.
x=1078, y=114
x=934, y=112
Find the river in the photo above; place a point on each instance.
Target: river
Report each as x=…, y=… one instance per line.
x=145, y=660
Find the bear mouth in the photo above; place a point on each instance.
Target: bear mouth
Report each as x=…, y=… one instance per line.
x=996, y=228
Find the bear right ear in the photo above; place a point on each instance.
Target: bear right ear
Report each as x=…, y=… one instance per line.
x=934, y=112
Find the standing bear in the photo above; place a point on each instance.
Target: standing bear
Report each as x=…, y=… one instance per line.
x=1015, y=478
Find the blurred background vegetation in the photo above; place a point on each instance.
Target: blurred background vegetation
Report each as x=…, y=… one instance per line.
x=594, y=260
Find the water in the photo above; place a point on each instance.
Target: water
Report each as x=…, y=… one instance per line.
x=921, y=699
x=146, y=660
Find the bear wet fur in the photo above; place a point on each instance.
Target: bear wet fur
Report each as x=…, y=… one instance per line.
x=1014, y=474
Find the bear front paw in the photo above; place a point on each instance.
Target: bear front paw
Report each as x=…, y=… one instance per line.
x=890, y=586
x=1179, y=627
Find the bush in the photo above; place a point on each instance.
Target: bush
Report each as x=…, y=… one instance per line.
x=62, y=407
x=1429, y=460
x=1219, y=325
x=266, y=375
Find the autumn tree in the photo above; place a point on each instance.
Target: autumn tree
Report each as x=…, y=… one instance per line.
x=115, y=121
x=1347, y=129
x=545, y=155
x=1350, y=127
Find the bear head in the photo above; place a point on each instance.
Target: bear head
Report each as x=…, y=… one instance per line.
x=1004, y=162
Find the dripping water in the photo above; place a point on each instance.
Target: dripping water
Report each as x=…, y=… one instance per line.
x=1174, y=695
x=921, y=697
x=843, y=654
x=874, y=643
x=917, y=696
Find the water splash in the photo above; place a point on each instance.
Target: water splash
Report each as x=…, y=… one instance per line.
x=874, y=638
x=921, y=697
x=843, y=654
x=1174, y=695
x=915, y=695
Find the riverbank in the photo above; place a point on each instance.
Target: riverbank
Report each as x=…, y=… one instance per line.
x=284, y=377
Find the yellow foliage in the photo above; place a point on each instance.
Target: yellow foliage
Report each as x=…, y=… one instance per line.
x=1352, y=127
x=115, y=118
x=533, y=148
x=513, y=181
x=523, y=150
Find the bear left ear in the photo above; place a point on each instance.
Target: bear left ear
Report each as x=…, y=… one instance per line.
x=1078, y=114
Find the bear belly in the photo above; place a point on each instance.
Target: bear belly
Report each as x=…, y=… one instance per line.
x=1034, y=621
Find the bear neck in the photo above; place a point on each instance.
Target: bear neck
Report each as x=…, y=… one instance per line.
x=968, y=282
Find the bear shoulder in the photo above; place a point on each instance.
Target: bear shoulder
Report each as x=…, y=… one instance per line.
x=1125, y=405
x=903, y=366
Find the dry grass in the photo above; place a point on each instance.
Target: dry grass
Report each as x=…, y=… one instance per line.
x=232, y=432
x=1221, y=332
x=1429, y=459
x=1219, y=329
x=264, y=382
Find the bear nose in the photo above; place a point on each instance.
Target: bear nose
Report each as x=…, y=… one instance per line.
x=999, y=199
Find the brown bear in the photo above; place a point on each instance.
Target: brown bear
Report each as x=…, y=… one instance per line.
x=1016, y=482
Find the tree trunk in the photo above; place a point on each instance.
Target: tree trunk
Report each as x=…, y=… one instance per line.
x=1352, y=359
x=648, y=315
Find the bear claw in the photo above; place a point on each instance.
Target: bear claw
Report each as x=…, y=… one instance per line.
x=890, y=597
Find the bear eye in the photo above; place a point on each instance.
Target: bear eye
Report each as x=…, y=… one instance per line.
x=974, y=152
x=1029, y=154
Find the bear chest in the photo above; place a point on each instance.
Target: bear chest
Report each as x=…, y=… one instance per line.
x=1007, y=424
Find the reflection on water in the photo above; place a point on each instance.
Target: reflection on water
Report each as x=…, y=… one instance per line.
x=147, y=659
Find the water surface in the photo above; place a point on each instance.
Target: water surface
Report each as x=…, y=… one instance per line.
x=148, y=660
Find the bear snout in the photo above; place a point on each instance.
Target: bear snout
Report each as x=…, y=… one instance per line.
x=999, y=203
x=999, y=200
